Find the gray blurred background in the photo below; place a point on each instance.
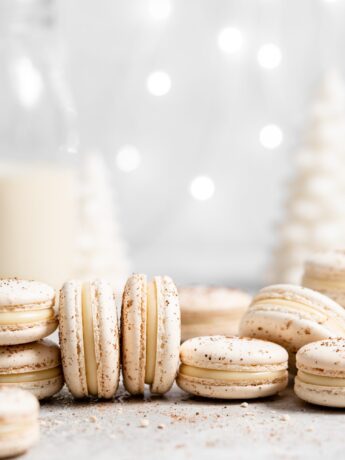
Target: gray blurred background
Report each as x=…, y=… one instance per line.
x=218, y=96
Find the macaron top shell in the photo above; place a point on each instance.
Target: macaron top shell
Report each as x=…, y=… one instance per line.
x=233, y=354
x=16, y=404
x=133, y=327
x=326, y=263
x=301, y=295
x=15, y=292
x=203, y=299
x=325, y=357
x=168, y=335
x=35, y=356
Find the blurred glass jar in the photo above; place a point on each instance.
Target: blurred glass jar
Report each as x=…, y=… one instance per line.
x=38, y=147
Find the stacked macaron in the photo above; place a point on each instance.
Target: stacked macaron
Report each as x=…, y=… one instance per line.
x=27, y=359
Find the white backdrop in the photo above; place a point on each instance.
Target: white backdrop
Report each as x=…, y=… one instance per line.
x=207, y=124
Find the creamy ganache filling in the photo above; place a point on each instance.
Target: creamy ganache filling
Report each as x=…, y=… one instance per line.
x=232, y=376
x=320, y=380
x=151, y=332
x=89, y=340
x=33, y=376
x=26, y=317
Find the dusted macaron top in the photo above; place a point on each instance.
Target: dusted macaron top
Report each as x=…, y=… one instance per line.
x=34, y=356
x=232, y=353
x=327, y=260
x=21, y=292
x=325, y=357
x=16, y=403
x=212, y=298
x=301, y=295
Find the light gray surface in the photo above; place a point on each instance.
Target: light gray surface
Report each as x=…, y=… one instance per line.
x=280, y=427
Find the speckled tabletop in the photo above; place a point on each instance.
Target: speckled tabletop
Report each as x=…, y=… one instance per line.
x=182, y=427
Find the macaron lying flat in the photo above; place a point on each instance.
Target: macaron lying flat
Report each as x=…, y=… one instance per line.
x=35, y=367
x=19, y=426
x=292, y=316
x=26, y=311
x=211, y=310
x=89, y=338
x=321, y=373
x=151, y=334
x=325, y=272
x=232, y=367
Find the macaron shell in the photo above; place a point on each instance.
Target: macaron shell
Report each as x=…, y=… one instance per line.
x=14, y=292
x=321, y=395
x=221, y=390
x=41, y=389
x=168, y=335
x=30, y=357
x=225, y=327
x=26, y=333
x=287, y=329
x=11, y=446
x=71, y=338
x=233, y=354
x=106, y=336
x=133, y=333
x=326, y=358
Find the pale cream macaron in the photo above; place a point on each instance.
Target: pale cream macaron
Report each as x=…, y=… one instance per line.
x=292, y=316
x=211, y=310
x=26, y=311
x=325, y=272
x=89, y=338
x=19, y=424
x=151, y=334
x=321, y=373
x=35, y=367
x=232, y=367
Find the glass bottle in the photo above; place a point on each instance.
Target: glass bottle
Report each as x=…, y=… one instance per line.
x=38, y=147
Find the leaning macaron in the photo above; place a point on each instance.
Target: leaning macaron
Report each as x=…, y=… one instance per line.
x=151, y=334
x=292, y=316
x=35, y=367
x=325, y=272
x=211, y=310
x=321, y=373
x=89, y=338
x=26, y=311
x=232, y=367
x=19, y=425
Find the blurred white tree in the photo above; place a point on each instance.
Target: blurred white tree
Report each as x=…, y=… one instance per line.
x=315, y=209
x=101, y=251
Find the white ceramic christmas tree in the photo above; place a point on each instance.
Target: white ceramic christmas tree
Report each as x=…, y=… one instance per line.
x=101, y=250
x=315, y=211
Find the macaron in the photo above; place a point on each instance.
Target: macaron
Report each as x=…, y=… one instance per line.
x=19, y=425
x=35, y=367
x=151, y=334
x=26, y=311
x=321, y=373
x=232, y=367
x=211, y=310
x=325, y=272
x=89, y=338
x=292, y=316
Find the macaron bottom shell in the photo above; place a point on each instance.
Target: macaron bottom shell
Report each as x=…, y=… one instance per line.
x=329, y=396
x=42, y=389
x=17, y=441
x=221, y=389
x=20, y=333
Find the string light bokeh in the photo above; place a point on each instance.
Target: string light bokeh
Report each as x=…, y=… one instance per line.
x=196, y=105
